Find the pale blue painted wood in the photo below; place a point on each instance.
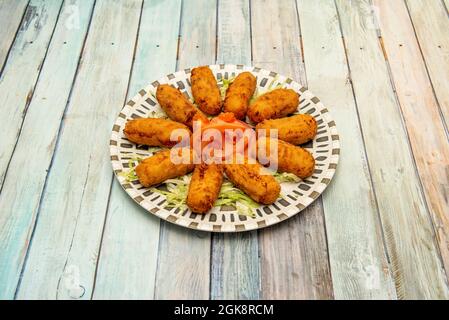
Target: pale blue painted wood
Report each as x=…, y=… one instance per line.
x=235, y=257
x=409, y=235
x=294, y=259
x=19, y=76
x=431, y=26
x=11, y=13
x=234, y=32
x=129, y=251
x=25, y=179
x=357, y=255
x=184, y=255
x=414, y=90
x=64, y=251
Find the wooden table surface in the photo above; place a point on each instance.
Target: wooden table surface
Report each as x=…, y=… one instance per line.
x=68, y=230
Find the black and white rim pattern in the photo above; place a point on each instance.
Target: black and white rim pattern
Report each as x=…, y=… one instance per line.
x=295, y=196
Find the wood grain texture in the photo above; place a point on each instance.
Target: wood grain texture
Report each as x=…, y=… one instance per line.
x=420, y=109
x=24, y=182
x=235, y=257
x=20, y=74
x=356, y=251
x=64, y=250
x=276, y=38
x=431, y=24
x=131, y=234
x=294, y=260
x=409, y=236
x=184, y=255
x=11, y=13
x=234, y=32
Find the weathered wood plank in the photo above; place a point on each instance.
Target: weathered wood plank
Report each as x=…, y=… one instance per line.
x=276, y=38
x=11, y=14
x=410, y=240
x=64, y=250
x=184, y=255
x=294, y=260
x=431, y=24
x=131, y=234
x=19, y=199
x=235, y=266
x=235, y=257
x=234, y=34
x=19, y=76
x=357, y=255
x=420, y=109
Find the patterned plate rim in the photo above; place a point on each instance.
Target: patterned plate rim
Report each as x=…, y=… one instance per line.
x=330, y=171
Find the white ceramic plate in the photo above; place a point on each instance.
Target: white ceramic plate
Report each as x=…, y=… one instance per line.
x=295, y=196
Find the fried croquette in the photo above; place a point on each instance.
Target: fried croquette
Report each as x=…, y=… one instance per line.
x=297, y=129
x=239, y=93
x=262, y=188
x=160, y=167
x=155, y=132
x=176, y=105
x=205, y=90
x=274, y=104
x=204, y=187
x=290, y=158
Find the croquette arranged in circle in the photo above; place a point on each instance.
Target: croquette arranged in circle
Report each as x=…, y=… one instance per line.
x=270, y=111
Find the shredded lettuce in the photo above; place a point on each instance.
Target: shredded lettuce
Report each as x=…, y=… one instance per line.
x=224, y=85
x=153, y=94
x=285, y=177
x=177, y=190
x=274, y=84
x=130, y=174
x=282, y=177
x=230, y=195
x=158, y=114
x=154, y=149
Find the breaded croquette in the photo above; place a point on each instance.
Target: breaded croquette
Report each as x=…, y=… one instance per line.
x=205, y=90
x=262, y=188
x=239, y=93
x=154, y=132
x=274, y=104
x=204, y=187
x=290, y=158
x=297, y=129
x=160, y=167
x=176, y=105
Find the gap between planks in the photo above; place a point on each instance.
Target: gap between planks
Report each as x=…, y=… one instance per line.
x=402, y=271
x=43, y=283
x=4, y=54
x=427, y=154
